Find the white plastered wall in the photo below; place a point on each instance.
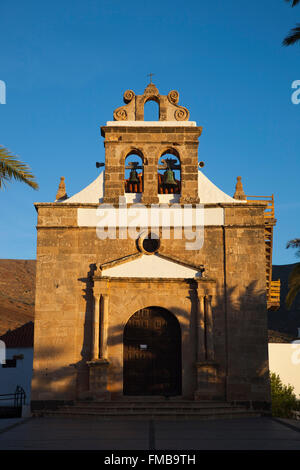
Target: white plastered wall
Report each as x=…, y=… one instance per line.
x=151, y=266
x=209, y=193
x=284, y=360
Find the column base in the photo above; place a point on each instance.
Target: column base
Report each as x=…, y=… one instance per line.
x=98, y=374
x=206, y=381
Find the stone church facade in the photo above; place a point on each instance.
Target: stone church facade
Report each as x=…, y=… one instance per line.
x=143, y=315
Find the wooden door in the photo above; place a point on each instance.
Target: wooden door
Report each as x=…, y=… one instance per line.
x=152, y=353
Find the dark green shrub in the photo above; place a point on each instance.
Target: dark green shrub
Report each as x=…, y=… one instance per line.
x=283, y=398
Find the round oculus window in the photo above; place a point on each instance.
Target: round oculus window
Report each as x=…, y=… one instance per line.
x=148, y=243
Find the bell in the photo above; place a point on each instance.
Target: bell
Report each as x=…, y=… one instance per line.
x=169, y=177
x=133, y=178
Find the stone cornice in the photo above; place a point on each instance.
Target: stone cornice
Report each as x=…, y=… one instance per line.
x=93, y=205
x=62, y=227
x=157, y=280
x=243, y=204
x=73, y=205
x=151, y=130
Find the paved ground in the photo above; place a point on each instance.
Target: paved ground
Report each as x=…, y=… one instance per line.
x=9, y=423
x=92, y=433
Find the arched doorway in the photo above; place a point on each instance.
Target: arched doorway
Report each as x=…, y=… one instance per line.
x=152, y=353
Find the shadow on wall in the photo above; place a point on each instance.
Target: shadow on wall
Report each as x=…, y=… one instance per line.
x=240, y=342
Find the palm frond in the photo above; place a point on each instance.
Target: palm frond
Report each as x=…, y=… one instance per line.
x=294, y=2
x=294, y=286
x=293, y=37
x=12, y=168
x=295, y=243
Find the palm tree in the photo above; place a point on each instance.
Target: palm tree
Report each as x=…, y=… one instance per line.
x=294, y=35
x=294, y=277
x=294, y=2
x=12, y=168
x=295, y=243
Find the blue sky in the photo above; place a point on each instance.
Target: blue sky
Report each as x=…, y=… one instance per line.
x=66, y=65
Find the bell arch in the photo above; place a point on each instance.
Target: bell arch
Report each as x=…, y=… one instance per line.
x=134, y=171
x=169, y=172
x=151, y=109
x=152, y=353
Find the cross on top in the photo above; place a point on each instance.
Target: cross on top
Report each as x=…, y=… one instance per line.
x=150, y=75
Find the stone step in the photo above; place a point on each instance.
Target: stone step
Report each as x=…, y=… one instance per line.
x=122, y=411
x=144, y=408
x=115, y=411
x=139, y=405
x=157, y=410
x=153, y=414
x=150, y=409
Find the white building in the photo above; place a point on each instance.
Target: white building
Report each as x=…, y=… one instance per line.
x=17, y=369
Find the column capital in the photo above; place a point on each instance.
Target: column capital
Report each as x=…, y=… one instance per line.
x=101, y=286
x=205, y=286
x=100, y=290
x=208, y=297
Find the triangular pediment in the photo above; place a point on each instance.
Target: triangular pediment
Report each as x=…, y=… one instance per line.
x=150, y=266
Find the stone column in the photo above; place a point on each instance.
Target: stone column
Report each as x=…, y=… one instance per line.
x=104, y=327
x=99, y=365
x=200, y=330
x=207, y=388
x=95, y=327
x=210, y=354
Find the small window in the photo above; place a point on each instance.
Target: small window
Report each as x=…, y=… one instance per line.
x=10, y=363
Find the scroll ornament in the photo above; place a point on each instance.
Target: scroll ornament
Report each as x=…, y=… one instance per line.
x=120, y=114
x=128, y=96
x=173, y=96
x=169, y=108
x=181, y=113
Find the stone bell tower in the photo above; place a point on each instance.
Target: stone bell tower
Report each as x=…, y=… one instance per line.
x=172, y=134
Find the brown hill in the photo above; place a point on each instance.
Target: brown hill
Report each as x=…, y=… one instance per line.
x=17, y=291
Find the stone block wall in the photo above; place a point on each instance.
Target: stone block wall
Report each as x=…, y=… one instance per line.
x=233, y=255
